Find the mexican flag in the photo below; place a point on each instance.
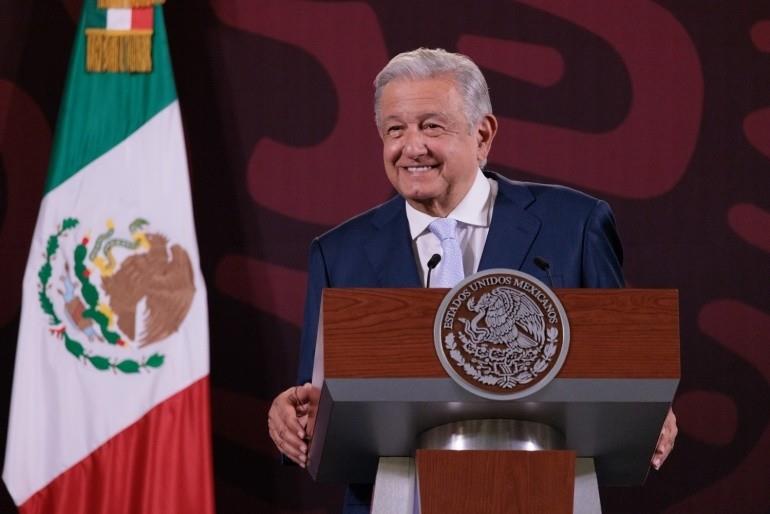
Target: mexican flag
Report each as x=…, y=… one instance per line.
x=110, y=406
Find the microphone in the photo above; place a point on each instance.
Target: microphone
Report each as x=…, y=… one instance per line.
x=543, y=265
x=432, y=263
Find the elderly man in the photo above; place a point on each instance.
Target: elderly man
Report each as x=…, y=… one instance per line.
x=434, y=116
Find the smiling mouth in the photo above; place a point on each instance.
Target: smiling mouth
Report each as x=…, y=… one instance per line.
x=419, y=169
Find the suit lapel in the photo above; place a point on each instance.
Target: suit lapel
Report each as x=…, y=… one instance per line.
x=512, y=230
x=390, y=249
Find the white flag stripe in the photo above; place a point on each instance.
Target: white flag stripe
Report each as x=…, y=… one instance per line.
x=119, y=19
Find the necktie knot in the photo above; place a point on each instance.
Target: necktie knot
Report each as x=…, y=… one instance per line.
x=444, y=228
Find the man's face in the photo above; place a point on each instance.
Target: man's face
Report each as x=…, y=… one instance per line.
x=431, y=152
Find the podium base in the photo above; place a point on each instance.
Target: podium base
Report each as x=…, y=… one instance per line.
x=395, y=488
x=586, y=499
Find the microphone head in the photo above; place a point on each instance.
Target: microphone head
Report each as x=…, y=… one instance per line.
x=434, y=260
x=541, y=263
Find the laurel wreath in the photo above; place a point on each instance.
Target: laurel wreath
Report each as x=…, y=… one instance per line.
x=509, y=380
x=91, y=296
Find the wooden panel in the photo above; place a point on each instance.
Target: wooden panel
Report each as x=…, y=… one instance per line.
x=632, y=333
x=388, y=333
x=496, y=482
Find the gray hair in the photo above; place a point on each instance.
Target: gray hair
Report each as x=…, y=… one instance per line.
x=425, y=63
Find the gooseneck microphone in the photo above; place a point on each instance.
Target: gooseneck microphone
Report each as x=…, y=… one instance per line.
x=543, y=265
x=432, y=263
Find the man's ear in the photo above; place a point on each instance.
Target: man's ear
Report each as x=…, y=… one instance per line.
x=485, y=133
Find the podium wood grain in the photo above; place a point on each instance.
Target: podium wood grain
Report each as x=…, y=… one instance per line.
x=628, y=333
x=496, y=482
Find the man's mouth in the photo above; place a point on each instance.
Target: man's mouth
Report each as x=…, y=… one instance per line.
x=420, y=169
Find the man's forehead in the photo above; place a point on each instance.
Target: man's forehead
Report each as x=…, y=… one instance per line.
x=439, y=84
x=428, y=96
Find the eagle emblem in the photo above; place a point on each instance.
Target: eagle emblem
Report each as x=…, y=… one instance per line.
x=501, y=334
x=508, y=318
x=161, y=277
x=110, y=296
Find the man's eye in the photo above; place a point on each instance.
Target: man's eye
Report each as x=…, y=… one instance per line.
x=432, y=127
x=393, y=131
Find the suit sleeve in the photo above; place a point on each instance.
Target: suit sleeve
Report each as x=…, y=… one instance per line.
x=317, y=280
x=602, y=250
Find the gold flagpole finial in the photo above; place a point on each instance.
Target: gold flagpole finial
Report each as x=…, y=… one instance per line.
x=126, y=4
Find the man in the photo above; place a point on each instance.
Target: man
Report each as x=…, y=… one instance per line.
x=434, y=116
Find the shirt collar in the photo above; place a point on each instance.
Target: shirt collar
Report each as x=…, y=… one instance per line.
x=473, y=209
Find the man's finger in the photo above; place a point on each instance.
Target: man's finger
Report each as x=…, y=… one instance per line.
x=288, y=443
x=303, y=393
x=666, y=440
x=294, y=448
x=284, y=412
x=290, y=422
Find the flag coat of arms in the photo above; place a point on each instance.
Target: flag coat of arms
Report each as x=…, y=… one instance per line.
x=110, y=405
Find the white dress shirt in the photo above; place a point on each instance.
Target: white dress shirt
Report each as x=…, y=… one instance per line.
x=473, y=215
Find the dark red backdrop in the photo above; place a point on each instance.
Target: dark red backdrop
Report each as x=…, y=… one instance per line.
x=662, y=108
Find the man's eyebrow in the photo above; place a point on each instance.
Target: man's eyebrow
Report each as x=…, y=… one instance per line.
x=422, y=116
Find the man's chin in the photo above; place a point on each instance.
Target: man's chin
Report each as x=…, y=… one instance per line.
x=419, y=195
x=423, y=203
x=425, y=185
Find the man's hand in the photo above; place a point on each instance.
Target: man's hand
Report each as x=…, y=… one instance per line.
x=287, y=421
x=665, y=440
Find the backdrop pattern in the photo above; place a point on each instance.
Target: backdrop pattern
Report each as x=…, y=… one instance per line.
x=660, y=107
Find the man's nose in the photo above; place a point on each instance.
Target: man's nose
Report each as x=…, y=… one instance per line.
x=414, y=144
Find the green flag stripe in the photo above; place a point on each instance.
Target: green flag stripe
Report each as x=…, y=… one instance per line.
x=95, y=17
x=99, y=110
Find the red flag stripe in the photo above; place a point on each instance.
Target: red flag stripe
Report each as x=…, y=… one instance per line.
x=141, y=18
x=162, y=463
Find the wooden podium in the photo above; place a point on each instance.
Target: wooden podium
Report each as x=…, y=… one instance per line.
x=381, y=385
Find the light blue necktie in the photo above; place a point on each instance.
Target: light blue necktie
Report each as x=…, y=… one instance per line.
x=450, y=270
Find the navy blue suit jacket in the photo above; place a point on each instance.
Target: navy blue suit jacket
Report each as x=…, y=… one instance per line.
x=572, y=231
